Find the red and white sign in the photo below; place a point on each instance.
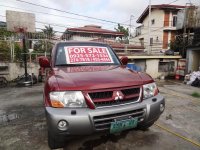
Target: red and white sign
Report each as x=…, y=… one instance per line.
x=87, y=54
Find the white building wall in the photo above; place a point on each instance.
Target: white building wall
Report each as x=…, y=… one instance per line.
x=17, y=69
x=156, y=31
x=81, y=38
x=152, y=67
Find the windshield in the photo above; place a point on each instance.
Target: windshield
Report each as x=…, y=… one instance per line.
x=85, y=55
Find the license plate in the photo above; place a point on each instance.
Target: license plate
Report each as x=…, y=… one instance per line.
x=121, y=125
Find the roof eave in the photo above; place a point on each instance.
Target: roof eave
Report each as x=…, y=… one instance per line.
x=84, y=31
x=146, y=11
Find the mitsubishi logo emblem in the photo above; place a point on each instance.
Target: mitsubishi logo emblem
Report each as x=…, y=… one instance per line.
x=118, y=95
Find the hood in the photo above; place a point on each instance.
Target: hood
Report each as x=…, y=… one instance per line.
x=95, y=77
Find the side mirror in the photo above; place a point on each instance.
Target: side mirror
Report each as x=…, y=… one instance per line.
x=124, y=60
x=44, y=62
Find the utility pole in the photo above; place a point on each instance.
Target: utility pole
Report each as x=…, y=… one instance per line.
x=25, y=58
x=12, y=49
x=130, y=26
x=149, y=29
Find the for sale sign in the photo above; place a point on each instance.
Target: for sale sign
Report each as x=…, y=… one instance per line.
x=87, y=54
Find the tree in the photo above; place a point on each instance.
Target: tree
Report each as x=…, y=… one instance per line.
x=42, y=46
x=48, y=31
x=123, y=30
x=4, y=51
x=5, y=46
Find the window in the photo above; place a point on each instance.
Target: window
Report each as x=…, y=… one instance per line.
x=151, y=41
x=138, y=31
x=153, y=21
x=166, y=67
x=174, y=21
x=142, y=41
x=85, y=54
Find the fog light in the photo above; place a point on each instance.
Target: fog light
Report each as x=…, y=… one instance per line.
x=162, y=107
x=62, y=125
x=142, y=119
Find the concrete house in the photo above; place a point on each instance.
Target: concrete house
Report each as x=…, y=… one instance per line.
x=163, y=27
x=90, y=32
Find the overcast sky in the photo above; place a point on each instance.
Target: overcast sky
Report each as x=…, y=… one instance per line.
x=112, y=10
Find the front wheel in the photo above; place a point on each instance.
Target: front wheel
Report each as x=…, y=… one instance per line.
x=3, y=82
x=55, y=143
x=39, y=78
x=146, y=126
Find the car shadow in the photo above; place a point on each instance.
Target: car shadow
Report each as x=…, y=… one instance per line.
x=90, y=142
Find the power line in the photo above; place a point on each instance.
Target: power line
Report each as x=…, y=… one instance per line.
x=2, y=16
x=173, y=2
x=63, y=16
x=47, y=23
x=51, y=14
x=52, y=24
x=65, y=26
x=67, y=12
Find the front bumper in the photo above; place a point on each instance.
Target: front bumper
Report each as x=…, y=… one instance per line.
x=85, y=121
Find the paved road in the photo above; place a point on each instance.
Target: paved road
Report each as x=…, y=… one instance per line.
x=23, y=126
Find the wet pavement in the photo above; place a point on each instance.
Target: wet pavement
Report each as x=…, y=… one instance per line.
x=23, y=125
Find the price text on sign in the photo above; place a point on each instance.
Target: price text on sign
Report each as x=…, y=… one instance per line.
x=88, y=55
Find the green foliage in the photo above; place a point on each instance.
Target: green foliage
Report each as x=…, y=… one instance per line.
x=195, y=94
x=18, y=52
x=177, y=45
x=5, y=33
x=48, y=31
x=123, y=30
x=41, y=46
x=4, y=51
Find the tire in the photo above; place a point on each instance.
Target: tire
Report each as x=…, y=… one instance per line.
x=146, y=126
x=39, y=78
x=3, y=82
x=54, y=143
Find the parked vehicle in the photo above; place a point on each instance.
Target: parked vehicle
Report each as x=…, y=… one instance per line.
x=90, y=90
x=3, y=82
x=23, y=81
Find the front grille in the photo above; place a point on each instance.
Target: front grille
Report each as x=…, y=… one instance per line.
x=103, y=122
x=106, y=98
x=115, y=102
x=131, y=91
x=100, y=95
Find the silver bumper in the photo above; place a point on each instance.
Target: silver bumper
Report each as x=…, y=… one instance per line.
x=84, y=121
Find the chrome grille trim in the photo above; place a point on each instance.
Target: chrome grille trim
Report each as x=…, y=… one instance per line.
x=128, y=103
x=103, y=122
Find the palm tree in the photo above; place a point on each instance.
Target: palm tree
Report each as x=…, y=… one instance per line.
x=48, y=31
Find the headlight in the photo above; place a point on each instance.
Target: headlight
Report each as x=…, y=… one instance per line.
x=149, y=90
x=67, y=99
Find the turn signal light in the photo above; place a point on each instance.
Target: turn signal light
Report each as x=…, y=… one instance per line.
x=56, y=104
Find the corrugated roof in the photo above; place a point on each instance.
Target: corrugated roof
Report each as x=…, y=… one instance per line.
x=94, y=29
x=162, y=6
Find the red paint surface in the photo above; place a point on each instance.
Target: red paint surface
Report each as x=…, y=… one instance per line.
x=91, y=78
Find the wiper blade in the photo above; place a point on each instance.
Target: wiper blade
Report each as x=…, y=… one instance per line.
x=71, y=65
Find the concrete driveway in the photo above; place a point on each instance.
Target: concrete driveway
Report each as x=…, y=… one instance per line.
x=23, y=126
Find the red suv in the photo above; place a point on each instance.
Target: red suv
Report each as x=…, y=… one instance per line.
x=90, y=90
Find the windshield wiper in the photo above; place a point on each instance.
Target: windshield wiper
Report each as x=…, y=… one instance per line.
x=71, y=65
